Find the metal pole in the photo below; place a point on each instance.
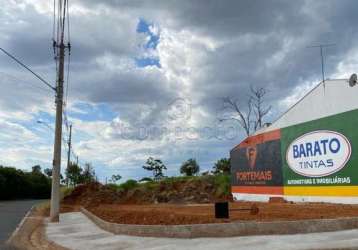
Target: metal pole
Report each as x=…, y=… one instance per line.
x=56, y=170
x=322, y=63
x=321, y=47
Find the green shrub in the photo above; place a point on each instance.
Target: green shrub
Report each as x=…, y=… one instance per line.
x=66, y=191
x=128, y=185
x=222, y=183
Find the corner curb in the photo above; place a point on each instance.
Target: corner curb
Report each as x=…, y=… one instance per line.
x=226, y=229
x=19, y=226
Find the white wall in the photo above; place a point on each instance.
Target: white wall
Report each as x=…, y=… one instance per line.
x=330, y=98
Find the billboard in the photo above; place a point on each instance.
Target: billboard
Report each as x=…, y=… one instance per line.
x=315, y=158
x=252, y=170
x=318, y=153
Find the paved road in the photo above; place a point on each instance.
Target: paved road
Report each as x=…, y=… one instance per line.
x=77, y=232
x=11, y=214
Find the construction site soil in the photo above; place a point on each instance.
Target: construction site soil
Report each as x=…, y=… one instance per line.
x=131, y=208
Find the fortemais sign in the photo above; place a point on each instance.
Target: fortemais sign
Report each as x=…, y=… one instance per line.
x=318, y=153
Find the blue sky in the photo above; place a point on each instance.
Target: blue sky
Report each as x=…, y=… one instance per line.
x=145, y=27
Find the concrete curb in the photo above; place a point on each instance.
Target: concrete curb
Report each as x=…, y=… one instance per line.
x=19, y=226
x=226, y=229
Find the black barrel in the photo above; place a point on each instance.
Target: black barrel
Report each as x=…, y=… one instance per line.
x=221, y=210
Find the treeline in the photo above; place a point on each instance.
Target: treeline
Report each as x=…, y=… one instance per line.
x=75, y=174
x=18, y=184
x=187, y=168
x=217, y=178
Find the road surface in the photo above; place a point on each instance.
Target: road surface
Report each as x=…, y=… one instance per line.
x=11, y=214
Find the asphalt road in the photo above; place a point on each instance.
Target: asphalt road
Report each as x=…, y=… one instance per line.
x=11, y=214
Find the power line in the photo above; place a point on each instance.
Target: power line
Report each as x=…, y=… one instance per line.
x=26, y=67
x=54, y=20
x=51, y=128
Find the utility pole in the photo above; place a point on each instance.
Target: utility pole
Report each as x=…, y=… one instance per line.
x=59, y=49
x=56, y=170
x=321, y=46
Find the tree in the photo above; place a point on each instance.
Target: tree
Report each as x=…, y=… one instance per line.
x=250, y=119
x=222, y=166
x=36, y=169
x=115, y=178
x=88, y=175
x=190, y=167
x=146, y=179
x=48, y=172
x=156, y=166
x=73, y=174
x=18, y=184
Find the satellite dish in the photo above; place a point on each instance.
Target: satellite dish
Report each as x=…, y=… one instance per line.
x=353, y=80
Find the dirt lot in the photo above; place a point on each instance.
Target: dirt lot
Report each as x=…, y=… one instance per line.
x=140, y=205
x=169, y=214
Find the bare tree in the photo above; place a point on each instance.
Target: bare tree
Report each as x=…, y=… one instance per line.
x=251, y=116
x=257, y=95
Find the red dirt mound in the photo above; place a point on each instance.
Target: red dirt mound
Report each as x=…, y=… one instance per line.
x=91, y=194
x=173, y=192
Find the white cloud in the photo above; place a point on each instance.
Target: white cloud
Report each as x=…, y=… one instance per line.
x=206, y=51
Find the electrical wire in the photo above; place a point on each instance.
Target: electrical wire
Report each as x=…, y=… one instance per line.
x=60, y=15
x=68, y=74
x=26, y=67
x=68, y=24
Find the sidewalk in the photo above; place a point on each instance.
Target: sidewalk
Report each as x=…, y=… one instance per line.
x=77, y=232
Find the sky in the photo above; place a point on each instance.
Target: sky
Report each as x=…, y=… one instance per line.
x=147, y=78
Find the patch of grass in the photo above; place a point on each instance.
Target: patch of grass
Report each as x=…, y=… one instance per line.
x=65, y=191
x=222, y=183
x=42, y=208
x=149, y=185
x=128, y=185
x=171, y=180
x=43, y=205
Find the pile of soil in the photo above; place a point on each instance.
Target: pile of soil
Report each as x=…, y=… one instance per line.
x=178, y=192
x=171, y=214
x=92, y=194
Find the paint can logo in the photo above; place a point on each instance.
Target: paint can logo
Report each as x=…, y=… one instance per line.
x=251, y=154
x=318, y=153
